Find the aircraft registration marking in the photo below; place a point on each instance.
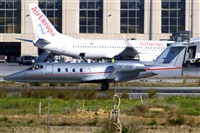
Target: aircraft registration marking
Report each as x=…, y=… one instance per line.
x=125, y=66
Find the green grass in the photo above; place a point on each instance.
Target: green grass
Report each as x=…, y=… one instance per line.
x=16, y=105
x=188, y=105
x=67, y=101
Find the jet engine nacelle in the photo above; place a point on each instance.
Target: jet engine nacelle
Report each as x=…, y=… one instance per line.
x=145, y=57
x=126, y=66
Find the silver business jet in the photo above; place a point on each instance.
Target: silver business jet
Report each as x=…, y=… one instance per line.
x=169, y=64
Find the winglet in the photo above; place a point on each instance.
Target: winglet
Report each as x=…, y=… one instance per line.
x=126, y=41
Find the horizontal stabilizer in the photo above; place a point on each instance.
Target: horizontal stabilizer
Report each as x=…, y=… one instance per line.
x=26, y=40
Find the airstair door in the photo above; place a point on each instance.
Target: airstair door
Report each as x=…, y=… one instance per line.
x=49, y=69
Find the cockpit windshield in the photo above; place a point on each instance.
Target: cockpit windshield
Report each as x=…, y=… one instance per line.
x=34, y=67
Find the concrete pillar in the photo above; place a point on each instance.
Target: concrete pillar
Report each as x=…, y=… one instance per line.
x=111, y=18
x=70, y=17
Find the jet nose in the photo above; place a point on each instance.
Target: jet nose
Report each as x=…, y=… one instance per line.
x=6, y=78
x=13, y=77
x=10, y=77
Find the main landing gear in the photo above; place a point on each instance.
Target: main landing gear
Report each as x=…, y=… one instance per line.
x=104, y=85
x=82, y=57
x=24, y=86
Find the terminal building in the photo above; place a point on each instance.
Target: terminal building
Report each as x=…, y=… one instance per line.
x=97, y=19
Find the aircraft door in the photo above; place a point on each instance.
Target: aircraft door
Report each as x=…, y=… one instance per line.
x=49, y=69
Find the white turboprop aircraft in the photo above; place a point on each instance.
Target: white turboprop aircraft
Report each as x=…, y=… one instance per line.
x=49, y=39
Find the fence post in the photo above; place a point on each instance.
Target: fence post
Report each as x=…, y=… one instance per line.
x=48, y=112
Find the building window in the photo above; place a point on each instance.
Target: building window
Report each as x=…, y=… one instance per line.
x=10, y=16
x=91, y=16
x=59, y=69
x=132, y=16
x=53, y=10
x=173, y=16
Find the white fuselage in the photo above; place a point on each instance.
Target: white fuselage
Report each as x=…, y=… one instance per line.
x=99, y=49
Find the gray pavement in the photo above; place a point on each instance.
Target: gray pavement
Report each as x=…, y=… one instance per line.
x=9, y=68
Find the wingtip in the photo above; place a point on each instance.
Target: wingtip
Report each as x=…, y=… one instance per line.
x=124, y=36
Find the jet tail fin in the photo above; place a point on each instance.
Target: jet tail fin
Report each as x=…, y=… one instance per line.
x=43, y=28
x=170, y=61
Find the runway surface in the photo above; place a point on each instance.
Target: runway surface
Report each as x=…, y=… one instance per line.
x=132, y=91
x=9, y=68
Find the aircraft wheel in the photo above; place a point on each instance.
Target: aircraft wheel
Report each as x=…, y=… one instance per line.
x=105, y=85
x=24, y=86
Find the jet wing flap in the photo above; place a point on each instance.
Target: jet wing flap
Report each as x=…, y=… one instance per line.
x=128, y=53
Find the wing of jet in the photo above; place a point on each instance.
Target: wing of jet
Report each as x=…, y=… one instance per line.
x=128, y=53
x=169, y=63
x=42, y=57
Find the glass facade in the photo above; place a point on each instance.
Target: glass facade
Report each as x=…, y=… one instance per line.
x=10, y=16
x=132, y=16
x=91, y=16
x=173, y=16
x=53, y=10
